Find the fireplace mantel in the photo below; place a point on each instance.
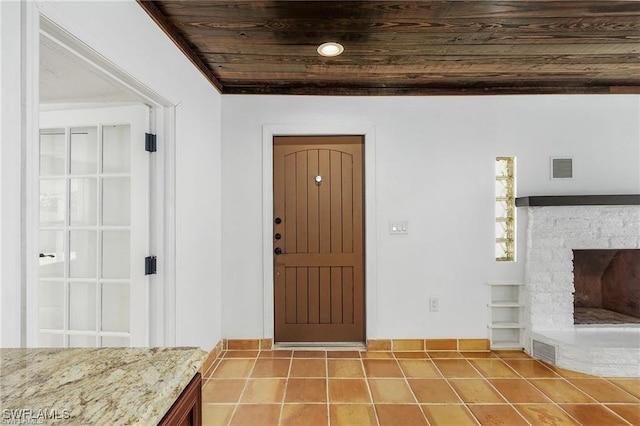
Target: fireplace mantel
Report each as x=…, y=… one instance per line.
x=579, y=200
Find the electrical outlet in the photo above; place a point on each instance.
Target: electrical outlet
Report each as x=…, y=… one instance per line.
x=434, y=304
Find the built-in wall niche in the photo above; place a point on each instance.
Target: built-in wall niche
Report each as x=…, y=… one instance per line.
x=505, y=315
x=607, y=286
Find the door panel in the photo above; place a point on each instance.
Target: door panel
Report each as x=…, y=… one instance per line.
x=94, y=232
x=319, y=275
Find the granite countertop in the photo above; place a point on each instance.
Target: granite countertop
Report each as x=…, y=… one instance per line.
x=93, y=385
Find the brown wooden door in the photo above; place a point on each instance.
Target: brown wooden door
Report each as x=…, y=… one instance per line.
x=318, y=227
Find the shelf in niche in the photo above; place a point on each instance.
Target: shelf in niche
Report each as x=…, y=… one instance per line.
x=506, y=325
x=506, y=305
x=506, y=345
x=505, y=313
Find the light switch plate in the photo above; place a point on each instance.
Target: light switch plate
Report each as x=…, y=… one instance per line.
x=398, y=227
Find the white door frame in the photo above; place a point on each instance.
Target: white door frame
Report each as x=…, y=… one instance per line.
x=370, y=272
x=162, y=320
x=19, y=129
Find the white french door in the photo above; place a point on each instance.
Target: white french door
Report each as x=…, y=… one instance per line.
x=94, y=228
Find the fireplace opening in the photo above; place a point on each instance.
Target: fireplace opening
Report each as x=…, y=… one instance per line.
x=607, y=286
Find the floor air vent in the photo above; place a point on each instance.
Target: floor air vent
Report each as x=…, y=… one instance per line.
x=544, y=352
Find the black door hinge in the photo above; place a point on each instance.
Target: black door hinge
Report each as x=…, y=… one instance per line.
x=150, y=142
x=150, y=265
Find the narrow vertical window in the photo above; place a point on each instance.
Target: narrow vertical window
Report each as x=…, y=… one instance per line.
x=505, y=209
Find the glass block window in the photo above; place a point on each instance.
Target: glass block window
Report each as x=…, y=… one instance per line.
x=505, y=209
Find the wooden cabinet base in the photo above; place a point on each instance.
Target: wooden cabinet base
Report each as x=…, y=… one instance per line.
x=187, y=410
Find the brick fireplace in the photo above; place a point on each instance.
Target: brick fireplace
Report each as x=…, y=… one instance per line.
x=557, y=228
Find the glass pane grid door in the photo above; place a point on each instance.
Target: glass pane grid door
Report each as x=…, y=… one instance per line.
x=85, y=236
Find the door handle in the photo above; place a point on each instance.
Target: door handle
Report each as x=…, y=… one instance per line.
x=47, y=255
x=277, y=236
x=278, y=250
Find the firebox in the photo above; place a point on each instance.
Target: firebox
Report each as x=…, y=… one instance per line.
x=607, y=286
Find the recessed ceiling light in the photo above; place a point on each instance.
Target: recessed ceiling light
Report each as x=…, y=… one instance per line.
x=330, y=49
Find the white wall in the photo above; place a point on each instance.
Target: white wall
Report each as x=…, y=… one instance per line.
x=11, y=138
x=124, y=34
x=434, y=168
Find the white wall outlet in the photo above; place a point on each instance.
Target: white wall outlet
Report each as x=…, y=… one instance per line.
x=434, y=304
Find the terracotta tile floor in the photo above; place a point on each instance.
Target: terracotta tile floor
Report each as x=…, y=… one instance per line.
x=307, y=388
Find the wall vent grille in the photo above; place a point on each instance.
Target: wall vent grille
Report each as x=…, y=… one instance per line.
x=544, y=352
x=562, y=168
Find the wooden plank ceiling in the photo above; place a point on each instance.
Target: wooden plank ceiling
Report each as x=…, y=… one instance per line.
x=409, y=47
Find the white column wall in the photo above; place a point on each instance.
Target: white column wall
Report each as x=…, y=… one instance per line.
x=125, y=35
x=12, y=138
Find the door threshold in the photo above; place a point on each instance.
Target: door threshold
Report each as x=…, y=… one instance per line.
x=320, y=346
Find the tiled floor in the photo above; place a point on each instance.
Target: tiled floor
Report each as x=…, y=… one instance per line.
x=307, y=388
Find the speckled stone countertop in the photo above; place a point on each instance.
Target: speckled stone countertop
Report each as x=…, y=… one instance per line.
x=93, y=386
